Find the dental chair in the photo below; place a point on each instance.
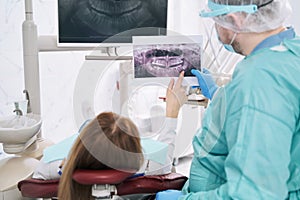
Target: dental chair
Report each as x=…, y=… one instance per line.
x=106, y=184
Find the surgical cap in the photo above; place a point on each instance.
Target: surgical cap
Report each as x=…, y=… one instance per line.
x=258, y=15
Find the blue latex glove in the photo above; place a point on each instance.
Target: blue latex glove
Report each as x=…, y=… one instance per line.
x=206, y=83
x=168, y=195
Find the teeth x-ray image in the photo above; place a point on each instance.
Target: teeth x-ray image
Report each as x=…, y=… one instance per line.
x=96, y=20
x=166, y=60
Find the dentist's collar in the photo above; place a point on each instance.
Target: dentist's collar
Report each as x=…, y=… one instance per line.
x=275, y=39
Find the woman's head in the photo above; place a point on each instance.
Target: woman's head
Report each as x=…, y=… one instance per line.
x=108, y=141
x=111, y=140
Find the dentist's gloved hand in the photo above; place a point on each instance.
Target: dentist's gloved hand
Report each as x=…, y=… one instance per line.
x=206, y=82
x=169, y=195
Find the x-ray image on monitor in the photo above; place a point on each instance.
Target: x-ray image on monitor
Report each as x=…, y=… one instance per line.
x=96, y=21
x=166, y=56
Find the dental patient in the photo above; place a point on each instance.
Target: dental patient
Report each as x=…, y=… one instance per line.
x=110, y=141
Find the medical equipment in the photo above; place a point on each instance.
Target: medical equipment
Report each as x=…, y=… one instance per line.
x=106, y=183
x=199, y=100
x=22, y=150
x=18, y=132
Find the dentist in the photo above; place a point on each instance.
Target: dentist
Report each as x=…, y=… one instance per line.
x=249, y=144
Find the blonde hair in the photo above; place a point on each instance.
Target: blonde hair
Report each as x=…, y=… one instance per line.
x=108, y=141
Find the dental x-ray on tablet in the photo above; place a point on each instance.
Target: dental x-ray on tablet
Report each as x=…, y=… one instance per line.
x=166, y=56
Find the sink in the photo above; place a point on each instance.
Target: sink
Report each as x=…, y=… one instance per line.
x=19, y=132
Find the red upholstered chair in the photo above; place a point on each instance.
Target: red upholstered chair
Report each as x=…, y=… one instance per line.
x=105, y=182
x=36, y=188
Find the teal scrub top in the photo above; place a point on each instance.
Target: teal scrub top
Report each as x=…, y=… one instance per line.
x=249, y=144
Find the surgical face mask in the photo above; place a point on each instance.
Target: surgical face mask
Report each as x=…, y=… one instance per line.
x=229, y=46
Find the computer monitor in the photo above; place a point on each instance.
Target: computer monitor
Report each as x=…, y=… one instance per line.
x=92, y=22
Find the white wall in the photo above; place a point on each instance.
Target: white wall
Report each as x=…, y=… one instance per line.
x=58, y=71
x=294, y=19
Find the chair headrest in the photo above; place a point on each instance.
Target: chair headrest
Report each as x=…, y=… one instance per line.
x=109, y=176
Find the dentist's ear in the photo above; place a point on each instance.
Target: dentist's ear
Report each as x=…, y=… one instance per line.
x=237, y=19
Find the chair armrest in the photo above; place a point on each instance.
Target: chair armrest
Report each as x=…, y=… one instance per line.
x=151, y=184
x=37, y=188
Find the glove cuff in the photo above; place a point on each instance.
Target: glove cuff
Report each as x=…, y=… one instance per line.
x=212, y=91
